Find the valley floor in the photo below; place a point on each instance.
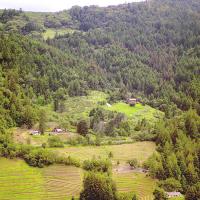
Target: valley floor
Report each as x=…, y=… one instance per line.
x=18, y=181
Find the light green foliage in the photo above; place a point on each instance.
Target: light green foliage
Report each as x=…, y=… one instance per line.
x=138, y=112
x=51, y=33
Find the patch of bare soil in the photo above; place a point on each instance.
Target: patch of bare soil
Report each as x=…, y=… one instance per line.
x=127, y=169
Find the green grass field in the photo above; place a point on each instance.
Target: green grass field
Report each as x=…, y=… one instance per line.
x=18, y=181
x=79, y=107
x=51, y=33
x=138, y=183
x=137, y=112
x=121, y=153
x=76, y=107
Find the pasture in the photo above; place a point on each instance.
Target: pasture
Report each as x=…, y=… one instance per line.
x=122, y=153
x=138, y=183
x=18, y=181
x=137, y=112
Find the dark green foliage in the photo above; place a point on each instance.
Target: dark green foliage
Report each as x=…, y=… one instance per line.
x=82, y=128
x=135, y=197
x=133, y=163
x=40, y=158
x=42, y=121
x=177, y=163
x=97, y=165
x=98, y=186
x=159, y=194
x=193, y=192
x=171, y=185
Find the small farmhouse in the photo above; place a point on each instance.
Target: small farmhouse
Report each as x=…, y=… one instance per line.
x=57, y=130
x=173, y=194
x=35, y=132
x=132, y=101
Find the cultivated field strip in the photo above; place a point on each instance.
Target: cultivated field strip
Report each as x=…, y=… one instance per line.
x=135, y=183
x=122, y=153
x=63, y=181
x=18, y=181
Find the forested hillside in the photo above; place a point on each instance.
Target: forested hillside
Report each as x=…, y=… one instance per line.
x=149, y=50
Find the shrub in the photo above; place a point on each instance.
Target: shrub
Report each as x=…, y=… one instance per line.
x=55, y=141
x=133, y=163
x=159, y=194
x=97, y=165
x=82, y=128
x=193, y=192
x=68, y=161
x=170, y=185
x=40, y=158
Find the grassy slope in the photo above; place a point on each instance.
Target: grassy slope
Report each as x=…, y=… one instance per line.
x=138, y=183
x=138, y=112
x=79, y=107
x=18, y=181
x=50, y=33
x=124, y=152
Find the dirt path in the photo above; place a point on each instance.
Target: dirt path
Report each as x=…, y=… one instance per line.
x=127, y=169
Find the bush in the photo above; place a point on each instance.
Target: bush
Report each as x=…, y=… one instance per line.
x=82, y=128
x=68, y=161
x=159, y=194
x=98, y=186
x=193, y=192
x=97, y=165
x=55, y=141
x=133, y=163
x=170, y=185
x=40, y=158
x=78, y=140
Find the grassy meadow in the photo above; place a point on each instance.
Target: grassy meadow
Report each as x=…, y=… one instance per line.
x=51, y=33
x=138, y=183
x=137, y=112
x=79, y=107
x=18, y=181
x=121, y=153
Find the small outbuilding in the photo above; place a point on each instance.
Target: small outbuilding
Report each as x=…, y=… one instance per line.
x=35, y=132
x=131, y=101
x=173, y=194
x=57, y=130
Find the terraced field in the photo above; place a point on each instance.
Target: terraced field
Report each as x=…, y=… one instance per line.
x=121, y=153
x=131, y=182
x=18, y=181
x=62, y=181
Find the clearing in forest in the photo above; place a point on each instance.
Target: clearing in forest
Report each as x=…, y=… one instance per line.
x=121, y=153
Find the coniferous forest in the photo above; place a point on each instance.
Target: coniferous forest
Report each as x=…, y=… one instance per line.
x=150, y=49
